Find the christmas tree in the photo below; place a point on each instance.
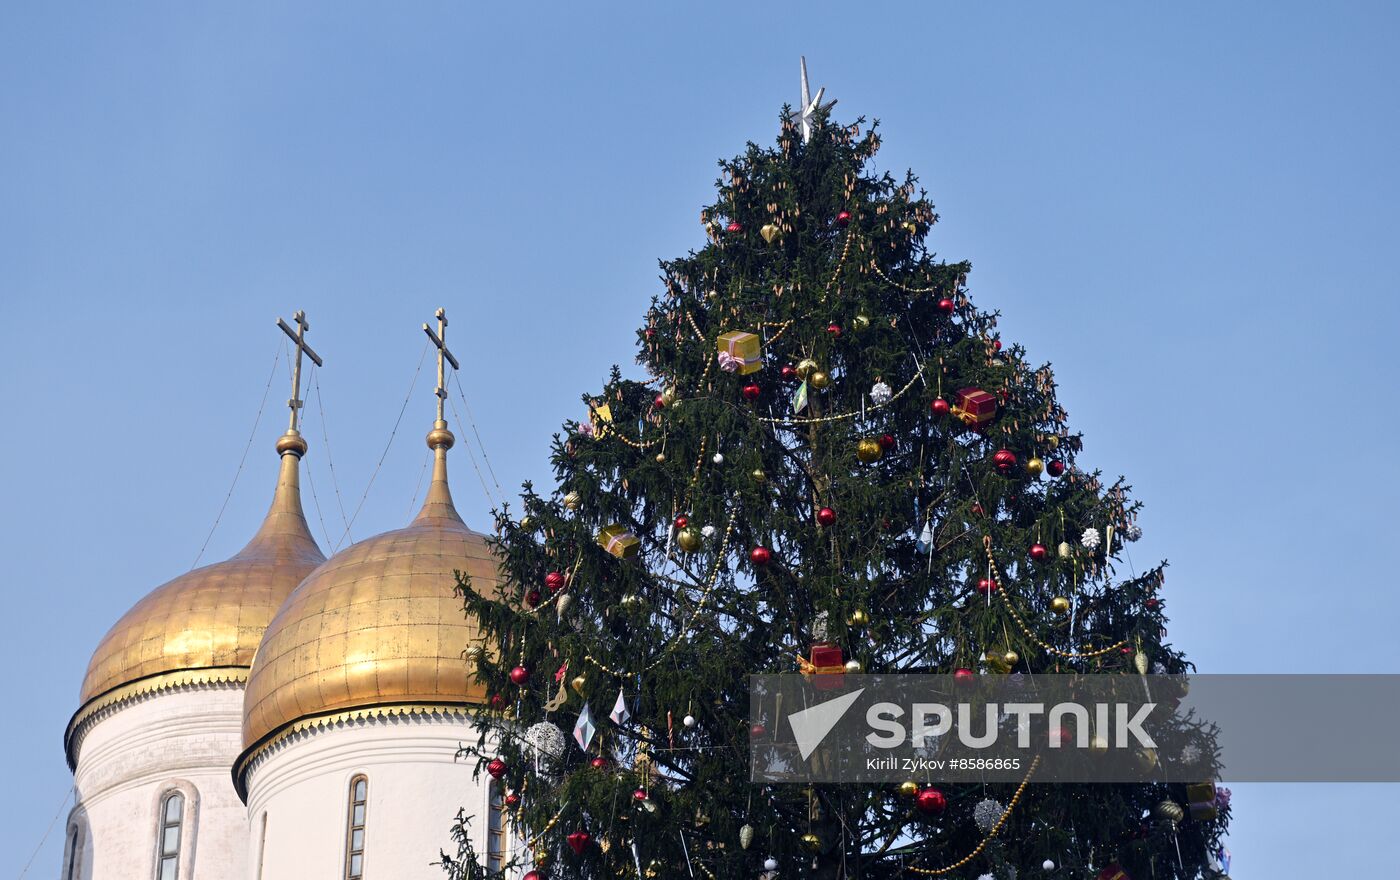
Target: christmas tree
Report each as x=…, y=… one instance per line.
x=835, y=463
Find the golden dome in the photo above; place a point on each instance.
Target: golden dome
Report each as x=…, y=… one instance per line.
x=211, y=618
x=378, y=625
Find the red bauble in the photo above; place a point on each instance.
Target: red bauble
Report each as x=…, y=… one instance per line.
x=834, y=329
x=1152, y=603
x=789, y=372
x=498, y=702
x=532, y=598
x=986, y=586
x=963, y=675
x=497, y=768
x=1005, y=460
x=660, y=401
x=930, y=801
x=757, y=730
x=1060, y=737
x=512, y=800
x=682, y=521
x=1039, y=553
x=946, y=306
x=940, y=407
x=533, y=875
x=599, y=763
x=752, y=391
x=1054, y=467
x=650, y=331
x=1125, y=650
x=735, y=226
x=887, y=442
x=579, y=841
x=826, y=516
x=554, y=581
x=996, y=345
x=519, y=675
x=760, y=555
x=978, y=510
x=843, y=218
x=639, y=795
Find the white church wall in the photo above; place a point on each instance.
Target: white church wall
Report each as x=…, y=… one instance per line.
x=299, y=798
x=183, y=740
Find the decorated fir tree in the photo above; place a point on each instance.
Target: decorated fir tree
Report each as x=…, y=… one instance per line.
x=835, y=463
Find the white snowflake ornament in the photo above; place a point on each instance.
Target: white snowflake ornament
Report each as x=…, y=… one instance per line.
x=880, y=394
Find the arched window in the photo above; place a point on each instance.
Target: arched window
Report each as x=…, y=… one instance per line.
x=72, y=872
x=496, y=829
x=172, y=816
x=355, y=829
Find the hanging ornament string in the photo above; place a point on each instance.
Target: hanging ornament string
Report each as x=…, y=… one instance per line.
x=1005, y=814
x=1000, y=581
x=904, y=287
x=690, y=622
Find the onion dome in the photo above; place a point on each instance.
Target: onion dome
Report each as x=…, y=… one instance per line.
x=379, y=628
x=205, y=625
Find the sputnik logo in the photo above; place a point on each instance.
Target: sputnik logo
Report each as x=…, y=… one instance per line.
x=810, y=726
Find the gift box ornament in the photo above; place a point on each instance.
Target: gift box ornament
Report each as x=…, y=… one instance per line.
x=1200, y=798
x=619, y=542
x=740, y=352
x=600, y=417
x=974, y=407
x=1113, y=871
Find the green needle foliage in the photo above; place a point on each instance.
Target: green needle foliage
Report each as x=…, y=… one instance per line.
x=826, y=261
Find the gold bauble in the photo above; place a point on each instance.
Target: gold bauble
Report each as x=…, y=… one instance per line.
x=1169, y=811
x=758, y=475
x=631, y=600
x=908, y=789
x=860, y=322
x=1146, y=758
x=1059, y=605
x=820, y=380
x=668, y=396
x=572, y=501
x=660, y=457
x=527, y=523
x=806, y=367
x=1098, y=743
x=1035, y=467
x=769, y=232
x=853, y=666
x=811, y=842
x=911, y=227
x=859, y=618
x=689, y=539
x=869, y=450
x=1011, y=658
x=1064, y=550
x=474, y=654
x=578, y=684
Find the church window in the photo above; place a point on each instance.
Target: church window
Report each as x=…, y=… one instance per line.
x=355, y=831
x=496, y=830
x=172, y=815
x=72, y=873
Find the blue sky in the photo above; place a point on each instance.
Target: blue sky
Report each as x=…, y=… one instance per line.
x=1188, y=210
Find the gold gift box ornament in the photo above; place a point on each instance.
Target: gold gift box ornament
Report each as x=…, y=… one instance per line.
x=974, y=407
x=746, y=348
x=1200, y=798
x=619, y=542
x=600, y=417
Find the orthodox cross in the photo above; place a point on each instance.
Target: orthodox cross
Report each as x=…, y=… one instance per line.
x=298, y=337
x=440, y=340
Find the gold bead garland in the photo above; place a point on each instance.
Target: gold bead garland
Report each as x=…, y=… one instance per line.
x=1005, y=814
x=904, y=287
x=1021, y=624
x=685, y=630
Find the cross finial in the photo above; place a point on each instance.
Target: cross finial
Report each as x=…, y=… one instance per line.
x=440, y=340
x=807, y=112
x=298, y=338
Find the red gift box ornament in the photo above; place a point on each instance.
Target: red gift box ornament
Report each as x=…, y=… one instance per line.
x=974, y=407
x=826, y=659
x=1113, y=872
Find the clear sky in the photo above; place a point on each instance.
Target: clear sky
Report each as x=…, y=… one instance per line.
x=1188, y=208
